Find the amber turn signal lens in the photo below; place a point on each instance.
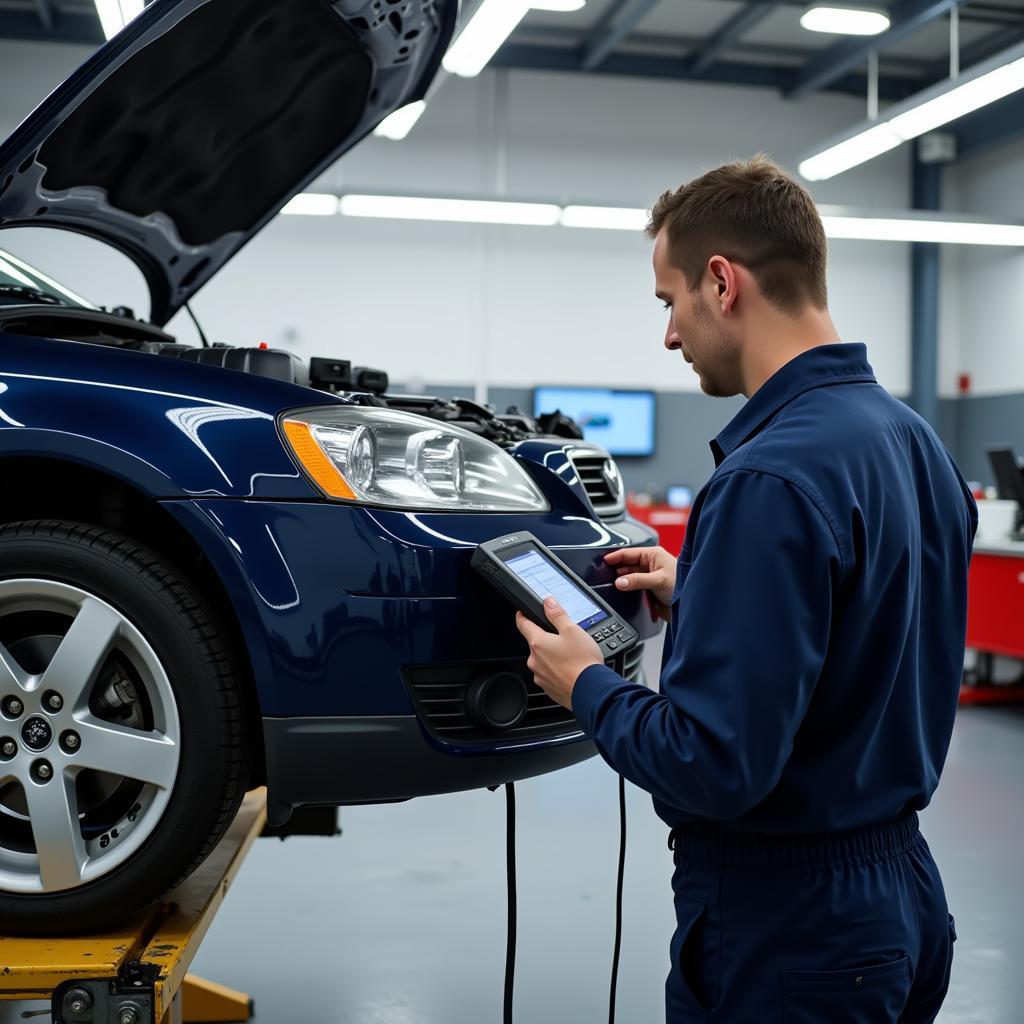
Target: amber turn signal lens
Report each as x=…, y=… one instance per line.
x=324, y=473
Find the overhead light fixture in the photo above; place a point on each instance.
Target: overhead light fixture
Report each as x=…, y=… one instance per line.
x=312, y=204
x=492, y=23
x=850, y=152
x=985, y=83
x=115, y=14
x=469, y=211
x=912, y=229
x=841, y=222
x=845, y=21
x=399, y=123
x=959, y=100
x=615, y=218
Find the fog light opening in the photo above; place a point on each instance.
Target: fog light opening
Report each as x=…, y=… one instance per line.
x=496, y=702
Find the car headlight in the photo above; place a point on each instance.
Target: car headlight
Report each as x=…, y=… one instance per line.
x=385, y=457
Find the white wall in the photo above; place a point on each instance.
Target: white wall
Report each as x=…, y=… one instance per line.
x=519, y=305
x=991, y=311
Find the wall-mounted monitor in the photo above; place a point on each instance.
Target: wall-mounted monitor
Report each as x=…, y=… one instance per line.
x=621, y=421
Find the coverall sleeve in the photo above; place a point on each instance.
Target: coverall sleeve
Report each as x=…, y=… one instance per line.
x=750, y=629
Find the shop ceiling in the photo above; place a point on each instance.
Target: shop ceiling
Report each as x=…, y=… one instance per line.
x=741, y=42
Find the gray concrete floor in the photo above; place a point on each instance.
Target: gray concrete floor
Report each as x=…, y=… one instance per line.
x=401, y=920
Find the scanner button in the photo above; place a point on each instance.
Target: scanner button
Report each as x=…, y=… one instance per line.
x=611, y=645
x=615, y=627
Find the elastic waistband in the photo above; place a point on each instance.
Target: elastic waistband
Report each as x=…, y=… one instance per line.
x=716, y=844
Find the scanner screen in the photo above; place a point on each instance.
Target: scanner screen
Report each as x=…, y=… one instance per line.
x=545, y=580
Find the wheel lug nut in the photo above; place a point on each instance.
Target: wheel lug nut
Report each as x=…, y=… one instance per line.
x=13, y=707
x=70, y=740
x=55, y=702
x=8, y=748
x=42, y=771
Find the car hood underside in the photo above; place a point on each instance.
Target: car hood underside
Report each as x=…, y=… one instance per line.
x=182, y=136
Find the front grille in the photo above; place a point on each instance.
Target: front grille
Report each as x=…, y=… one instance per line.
x=590, y=468
x=439, y=696
x=634, y=663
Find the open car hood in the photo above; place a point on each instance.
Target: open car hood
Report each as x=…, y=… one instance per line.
x=183, y=135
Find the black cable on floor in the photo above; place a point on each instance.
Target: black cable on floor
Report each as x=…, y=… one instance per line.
x=618, y=901
x=510, y=860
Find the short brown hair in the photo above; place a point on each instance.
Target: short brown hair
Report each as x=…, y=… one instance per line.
x=757, y=215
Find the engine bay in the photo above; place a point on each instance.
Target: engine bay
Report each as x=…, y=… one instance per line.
x=361, y=384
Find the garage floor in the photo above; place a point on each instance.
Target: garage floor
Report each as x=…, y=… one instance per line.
x=401, y=920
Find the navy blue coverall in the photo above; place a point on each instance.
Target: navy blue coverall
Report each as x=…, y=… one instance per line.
x=807, y=697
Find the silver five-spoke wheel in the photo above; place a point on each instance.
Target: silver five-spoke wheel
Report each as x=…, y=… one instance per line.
x=89, y=737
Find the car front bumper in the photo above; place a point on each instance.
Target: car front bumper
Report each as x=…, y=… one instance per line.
x=339, y=605
x=352, y=760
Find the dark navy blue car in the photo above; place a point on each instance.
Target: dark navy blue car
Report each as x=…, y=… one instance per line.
x=217, y=571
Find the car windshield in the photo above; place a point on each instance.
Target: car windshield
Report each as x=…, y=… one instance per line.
x=22, y=285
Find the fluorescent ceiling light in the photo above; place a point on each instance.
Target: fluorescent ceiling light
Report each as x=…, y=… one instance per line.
x=985, y=83
x=312, y=204
x=115, y=14
x=470, y=211
x=616, y=218
x=845, y=21
x=960, y=100
x=398, y=124
x=850, y=152
x=840, y=221
x=493, y=23
x=896, y=229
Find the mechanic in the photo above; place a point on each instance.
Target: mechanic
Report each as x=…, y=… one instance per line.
x=813, y=660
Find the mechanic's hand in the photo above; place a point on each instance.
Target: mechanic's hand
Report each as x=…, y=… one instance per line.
x=652, y=569
x=557, y=659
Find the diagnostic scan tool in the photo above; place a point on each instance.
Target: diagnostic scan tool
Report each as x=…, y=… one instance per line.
x=526, y=572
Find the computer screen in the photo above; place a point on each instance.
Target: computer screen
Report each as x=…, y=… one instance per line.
x=1009, y=478
x=678, y=496
x=621, y=421
x=545, y=580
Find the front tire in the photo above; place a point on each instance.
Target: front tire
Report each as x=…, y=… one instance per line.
x=123, y=754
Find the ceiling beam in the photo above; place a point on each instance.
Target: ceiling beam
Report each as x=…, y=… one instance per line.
x=619, y=20
x=67, y=26
x=981, y=49
x=992, y=125
x=907, y=17
x=681, y=45
x=731, y=30
x=641, y=65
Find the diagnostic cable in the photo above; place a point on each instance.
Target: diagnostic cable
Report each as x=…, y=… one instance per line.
x=511, y=889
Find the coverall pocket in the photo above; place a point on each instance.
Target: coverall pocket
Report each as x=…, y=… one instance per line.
x=695, y=955
x=682, y=571
x=860, y=995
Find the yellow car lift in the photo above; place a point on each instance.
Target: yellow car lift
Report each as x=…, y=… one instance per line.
x=138, y=973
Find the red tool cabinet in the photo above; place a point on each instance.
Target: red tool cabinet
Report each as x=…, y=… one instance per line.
x=995, y=602
x=669, y=522
x=995, y=617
